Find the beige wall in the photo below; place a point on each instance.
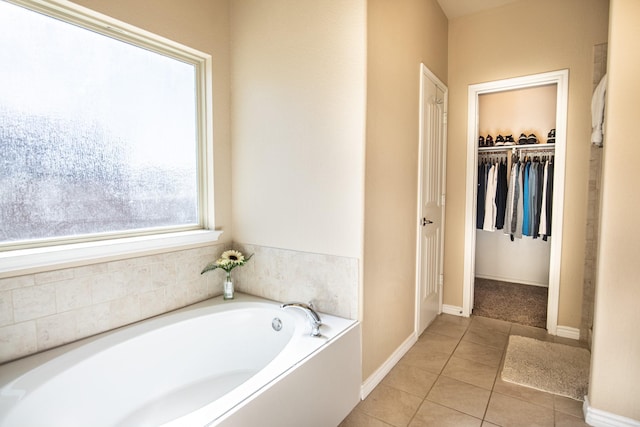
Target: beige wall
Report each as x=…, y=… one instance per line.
x=519, y=39
x=298, y=124
x=615, y=369
x=528, y=110
x=401, y=35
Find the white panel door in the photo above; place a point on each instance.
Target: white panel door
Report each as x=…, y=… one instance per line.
x=431, y=215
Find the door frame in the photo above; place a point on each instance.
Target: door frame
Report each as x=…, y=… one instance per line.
x=427, y=75
x=561, y=78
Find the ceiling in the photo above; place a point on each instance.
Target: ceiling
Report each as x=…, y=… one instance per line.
x=456, y=8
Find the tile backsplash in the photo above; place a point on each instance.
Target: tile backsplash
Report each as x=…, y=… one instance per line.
x=44, y=310
x=329, y=281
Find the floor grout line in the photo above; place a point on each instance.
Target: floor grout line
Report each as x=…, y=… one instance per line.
x=485, y=329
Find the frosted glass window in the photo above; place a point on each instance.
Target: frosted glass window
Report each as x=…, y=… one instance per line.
x=98, y=136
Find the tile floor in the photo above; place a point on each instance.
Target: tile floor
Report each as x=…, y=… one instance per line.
x=451, y=377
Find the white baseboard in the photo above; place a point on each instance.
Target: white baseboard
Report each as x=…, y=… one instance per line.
x=375, y=378
x=511, y=280
x=568, y=332
x=599, y=418
x=452, y=309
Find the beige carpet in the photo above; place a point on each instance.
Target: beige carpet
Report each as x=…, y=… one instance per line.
x=555, y=368
x=513, y=302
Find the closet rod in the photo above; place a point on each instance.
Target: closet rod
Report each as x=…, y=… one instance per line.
x=514, y=148
x=493, y=153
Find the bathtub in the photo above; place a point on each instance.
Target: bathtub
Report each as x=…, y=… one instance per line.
x=245, y=362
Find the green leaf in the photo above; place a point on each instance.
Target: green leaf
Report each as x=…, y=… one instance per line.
x=211, y=266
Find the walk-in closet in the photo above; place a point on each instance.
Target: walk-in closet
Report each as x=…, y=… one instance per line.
x=513, y=201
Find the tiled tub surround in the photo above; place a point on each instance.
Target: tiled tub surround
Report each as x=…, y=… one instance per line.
x=44, y=310
x=330, y=282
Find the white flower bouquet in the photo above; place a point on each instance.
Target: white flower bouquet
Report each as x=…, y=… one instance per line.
x=228, y=261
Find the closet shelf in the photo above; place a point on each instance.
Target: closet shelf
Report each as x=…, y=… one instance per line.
x=519, y=147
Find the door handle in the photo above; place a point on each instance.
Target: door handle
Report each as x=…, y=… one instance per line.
x=426, y=221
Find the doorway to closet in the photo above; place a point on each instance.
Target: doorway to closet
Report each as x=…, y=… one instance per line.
x=515, y=269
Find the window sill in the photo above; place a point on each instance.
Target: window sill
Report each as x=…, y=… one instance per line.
x=27, y=261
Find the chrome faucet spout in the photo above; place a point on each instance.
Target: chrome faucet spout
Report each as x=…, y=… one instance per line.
x=312, y=315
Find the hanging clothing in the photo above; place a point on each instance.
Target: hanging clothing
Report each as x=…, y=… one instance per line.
x=520, y=210
x=515, y=216
x=538, y=182
x=543, y=211
x=526, y=199
x=511, y=197
x=549, y=197
x=490, y=200
x=482, y=190
x=533, y=194
x=541, y=200
x=501, y=195
x=516, y=200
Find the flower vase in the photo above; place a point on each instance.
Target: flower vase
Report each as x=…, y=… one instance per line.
x=228, y=287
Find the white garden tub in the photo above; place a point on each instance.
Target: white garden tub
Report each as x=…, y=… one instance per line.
x=214, y=363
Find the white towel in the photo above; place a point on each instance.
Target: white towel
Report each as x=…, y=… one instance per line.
x=597, y=112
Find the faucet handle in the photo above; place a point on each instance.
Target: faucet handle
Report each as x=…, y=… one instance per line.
x=313, y=317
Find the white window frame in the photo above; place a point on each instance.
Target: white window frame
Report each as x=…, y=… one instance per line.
x=28, y=260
